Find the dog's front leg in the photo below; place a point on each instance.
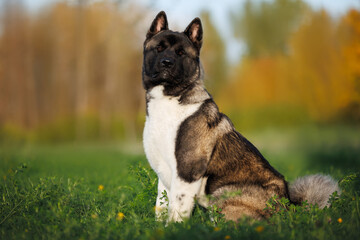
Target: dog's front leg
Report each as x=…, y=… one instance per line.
x=182, y=198
x=161, y=201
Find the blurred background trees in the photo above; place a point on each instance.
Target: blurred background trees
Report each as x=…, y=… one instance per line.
x=297, y=63
x=265, y=27
x=73, y=71
x=213, y=57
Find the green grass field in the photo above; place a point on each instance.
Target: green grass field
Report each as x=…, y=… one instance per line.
x=107, y=191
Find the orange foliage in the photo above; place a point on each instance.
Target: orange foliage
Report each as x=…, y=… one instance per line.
x=321, y=72
x=349, y=32
x=69, y=62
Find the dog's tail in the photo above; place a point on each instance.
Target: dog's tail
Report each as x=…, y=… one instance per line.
x=316, y=189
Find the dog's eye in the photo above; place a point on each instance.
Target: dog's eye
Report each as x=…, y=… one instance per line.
x=180, y=52
x=159, y=48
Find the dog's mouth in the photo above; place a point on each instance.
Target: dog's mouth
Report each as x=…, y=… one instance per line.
x=162, y=75
x=155, y=75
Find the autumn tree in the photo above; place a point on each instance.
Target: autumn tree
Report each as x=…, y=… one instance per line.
x=71, y=71
x=17, y=86
x=213, y=56
x=261, y=77
x=349, y=34
x=311, y=64
x=265, y=27
x=318, y=66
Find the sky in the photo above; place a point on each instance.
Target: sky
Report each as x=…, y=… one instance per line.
x=181, y=12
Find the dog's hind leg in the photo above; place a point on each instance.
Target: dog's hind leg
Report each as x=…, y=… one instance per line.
x=250, y=201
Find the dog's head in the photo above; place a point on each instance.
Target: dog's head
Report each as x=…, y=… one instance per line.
x=171, y=58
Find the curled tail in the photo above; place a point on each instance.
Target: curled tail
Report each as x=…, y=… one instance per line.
x=316, y=189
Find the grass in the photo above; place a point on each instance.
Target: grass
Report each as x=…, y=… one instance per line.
x=103, y=191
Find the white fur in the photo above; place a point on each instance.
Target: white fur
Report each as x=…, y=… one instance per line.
x=165, y=116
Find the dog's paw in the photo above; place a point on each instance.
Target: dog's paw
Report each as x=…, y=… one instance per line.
x=174, y=216
x=160, y=213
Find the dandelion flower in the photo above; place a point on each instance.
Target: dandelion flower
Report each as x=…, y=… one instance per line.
x=227, y=237
x=339, y=220
x=94, y=216
x=101, y=187
x=216, y=229
x=120, y=216
x=259, y=229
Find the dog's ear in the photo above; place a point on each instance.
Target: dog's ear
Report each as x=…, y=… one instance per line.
x=159, y=24
x=195, y=32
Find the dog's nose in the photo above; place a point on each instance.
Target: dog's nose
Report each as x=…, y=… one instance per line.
x=167, y=62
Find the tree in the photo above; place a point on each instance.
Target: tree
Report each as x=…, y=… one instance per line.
x=213, y=56
x=349, y=34
x=266, y=28
x=318, y=66
x=72, y=71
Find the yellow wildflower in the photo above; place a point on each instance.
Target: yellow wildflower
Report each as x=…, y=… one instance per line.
x=339, y=220
x=216, y=229
x=157, y=209
x=94, y=216
x=259, y=229
x=227, y=237
x=101, y=187
x=120, y=216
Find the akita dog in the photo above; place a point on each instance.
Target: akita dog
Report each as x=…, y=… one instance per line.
x=195, y=149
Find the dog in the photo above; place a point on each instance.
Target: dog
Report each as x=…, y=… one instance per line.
x=194, y=149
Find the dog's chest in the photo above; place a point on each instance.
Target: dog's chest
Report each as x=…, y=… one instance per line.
x=165, y=116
